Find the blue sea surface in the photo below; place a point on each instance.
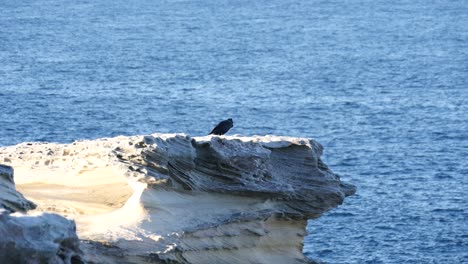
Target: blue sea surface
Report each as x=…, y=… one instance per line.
x=383, y=85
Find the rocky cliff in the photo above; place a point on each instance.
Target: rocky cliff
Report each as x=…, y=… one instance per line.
x=171, y=198
x=37, y=238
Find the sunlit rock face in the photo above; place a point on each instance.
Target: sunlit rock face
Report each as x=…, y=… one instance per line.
x=180, y=199
x=42, y=238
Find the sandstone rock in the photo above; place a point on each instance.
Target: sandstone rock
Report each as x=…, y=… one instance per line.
x=10, y=199
x=179, y=199
x=44, y=238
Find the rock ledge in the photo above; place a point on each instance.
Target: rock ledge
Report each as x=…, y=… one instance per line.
x=172, y=198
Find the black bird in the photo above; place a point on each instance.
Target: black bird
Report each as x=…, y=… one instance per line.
x=223, y=127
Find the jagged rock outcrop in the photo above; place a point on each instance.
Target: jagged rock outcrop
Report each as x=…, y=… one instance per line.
x=10, y=199
x=171, y=198
x=42, y=238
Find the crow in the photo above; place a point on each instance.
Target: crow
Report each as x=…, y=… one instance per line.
x=223, y=127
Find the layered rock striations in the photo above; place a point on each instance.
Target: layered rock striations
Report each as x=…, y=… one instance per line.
x=171, y=198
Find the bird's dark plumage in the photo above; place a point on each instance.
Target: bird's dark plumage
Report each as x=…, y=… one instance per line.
x=222, y=128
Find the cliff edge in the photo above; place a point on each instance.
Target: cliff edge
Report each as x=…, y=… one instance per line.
x=172, y=198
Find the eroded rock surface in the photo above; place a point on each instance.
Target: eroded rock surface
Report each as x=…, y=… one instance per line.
x=10, y=199
x=174, y=198
x=42, y=238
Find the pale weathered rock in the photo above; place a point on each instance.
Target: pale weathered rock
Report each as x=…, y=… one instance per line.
x=10, y=199
x=174, y=198
x=44, y=238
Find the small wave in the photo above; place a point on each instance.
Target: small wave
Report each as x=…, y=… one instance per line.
x=381, y=227
x=324, y=252
x=443, y=176
x=341, y=214
x=447, y=210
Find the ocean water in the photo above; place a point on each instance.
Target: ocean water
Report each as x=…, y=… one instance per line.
x=383, y=85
